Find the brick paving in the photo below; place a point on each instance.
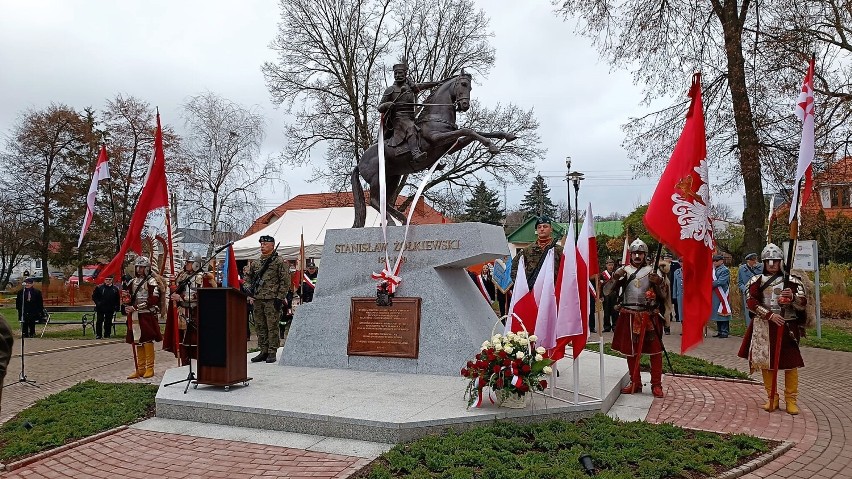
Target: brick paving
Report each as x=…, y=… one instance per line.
x=819, y=432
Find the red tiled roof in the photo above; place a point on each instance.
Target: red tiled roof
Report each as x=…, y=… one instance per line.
x=838, y=173
x=423, y=215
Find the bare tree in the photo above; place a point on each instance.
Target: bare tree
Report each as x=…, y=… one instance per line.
x=333, y=61
x=18, y=231
x=45, y=161
x=752, y=56
x=226, y=174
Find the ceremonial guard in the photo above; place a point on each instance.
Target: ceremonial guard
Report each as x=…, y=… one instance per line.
x=771, y=341
x=749, y=269
x=639, y=326
x=534, y=253
x=185, y=298
x=610, y=316
x=269, y=280
x=142, y=305
x=399, y=101
x=721, y=307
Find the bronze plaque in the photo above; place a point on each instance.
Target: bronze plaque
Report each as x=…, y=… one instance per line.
x=392, y=331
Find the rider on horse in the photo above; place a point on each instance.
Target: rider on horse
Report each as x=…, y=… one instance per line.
x=399, y=100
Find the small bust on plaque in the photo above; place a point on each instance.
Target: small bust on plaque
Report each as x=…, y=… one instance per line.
x=383, y=296
x=391, y=329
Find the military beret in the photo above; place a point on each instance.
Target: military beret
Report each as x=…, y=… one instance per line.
x=751, y=256
x=542, y=220
x=267, y=239
x=717, y=257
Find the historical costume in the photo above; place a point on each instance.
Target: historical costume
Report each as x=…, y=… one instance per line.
x=269, y=282
x=142, y=305
x=771, y=341
x=639, y=326
x=721, y=306
x=399, y=101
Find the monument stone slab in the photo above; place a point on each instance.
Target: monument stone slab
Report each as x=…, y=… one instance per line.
x=454, y=317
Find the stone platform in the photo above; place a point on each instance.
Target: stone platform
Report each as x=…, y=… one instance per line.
x=374, y=406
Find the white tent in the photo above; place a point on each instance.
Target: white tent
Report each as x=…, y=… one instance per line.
x=312, y=222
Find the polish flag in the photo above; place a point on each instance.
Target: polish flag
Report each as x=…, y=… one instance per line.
x=544, y=292
x=523, y=303
x=569, y=319
x=805, y=169
x=587, y=267
x=101, y=173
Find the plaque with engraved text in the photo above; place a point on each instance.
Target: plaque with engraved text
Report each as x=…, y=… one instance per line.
x=392, y=331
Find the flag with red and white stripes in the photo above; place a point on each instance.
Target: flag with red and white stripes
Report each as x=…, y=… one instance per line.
x=101, y=173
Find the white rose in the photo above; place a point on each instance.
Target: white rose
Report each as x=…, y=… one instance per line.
x=486, y=345
x=540, y=350
x=519, y=355
x=547, y=370
x=496, y=338
x=533, y=338
x=508, y=349
x=522, y=334
x=524, y=341
x=539, y=357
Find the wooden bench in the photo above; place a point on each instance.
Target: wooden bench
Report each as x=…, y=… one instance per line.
x=87, y=319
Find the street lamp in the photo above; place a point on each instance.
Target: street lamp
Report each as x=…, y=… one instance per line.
x=576, y=177
x=568, y=181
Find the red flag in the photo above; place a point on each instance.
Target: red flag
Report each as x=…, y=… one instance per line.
x=587, y=267
x=569, y=318
x=679, y=217
x=805, y=169
x=101, y=173
x=523, y=303
x=155, y=195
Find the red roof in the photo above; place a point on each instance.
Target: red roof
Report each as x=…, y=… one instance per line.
x=838, y=173
x=423, y=214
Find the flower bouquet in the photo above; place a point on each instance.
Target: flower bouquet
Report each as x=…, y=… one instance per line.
x=509, y=364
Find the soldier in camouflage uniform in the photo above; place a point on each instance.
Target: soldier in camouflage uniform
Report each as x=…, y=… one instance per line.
x=536, y=251
x=269, y=280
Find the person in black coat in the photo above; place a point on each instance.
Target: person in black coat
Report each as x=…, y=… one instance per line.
x=107, y=298
x=30, y=306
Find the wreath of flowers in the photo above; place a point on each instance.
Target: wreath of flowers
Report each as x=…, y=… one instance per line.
x=511, y=364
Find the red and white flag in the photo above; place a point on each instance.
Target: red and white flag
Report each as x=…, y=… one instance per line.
x=625, y=253
x=679, y=217
x=101, y=173
x=155, y=195
x=569, y=319
x=804, y=169
x=523, y=303
x=544, y=292
x=587, y=267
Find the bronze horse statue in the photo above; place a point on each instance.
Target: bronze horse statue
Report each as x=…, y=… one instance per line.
x=439, y=135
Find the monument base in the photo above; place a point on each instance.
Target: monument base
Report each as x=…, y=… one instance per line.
x=376, y=406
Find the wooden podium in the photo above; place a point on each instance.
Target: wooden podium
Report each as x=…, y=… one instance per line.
x=222, y=337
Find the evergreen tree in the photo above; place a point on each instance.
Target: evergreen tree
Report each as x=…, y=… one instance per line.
x=483, y=206
x=537, y=201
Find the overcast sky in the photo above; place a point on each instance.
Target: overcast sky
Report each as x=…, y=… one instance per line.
x=83, y=53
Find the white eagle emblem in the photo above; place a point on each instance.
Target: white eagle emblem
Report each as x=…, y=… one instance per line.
x=692, y=207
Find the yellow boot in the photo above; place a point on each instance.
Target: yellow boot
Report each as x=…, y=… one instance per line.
x=149, y=360
x=140, y=363
x=791, y=390
x=772, y=402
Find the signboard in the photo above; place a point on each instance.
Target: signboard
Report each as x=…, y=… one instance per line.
x=390, y=331
x=806, y=255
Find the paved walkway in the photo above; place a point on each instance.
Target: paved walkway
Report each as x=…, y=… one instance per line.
x=820, y=432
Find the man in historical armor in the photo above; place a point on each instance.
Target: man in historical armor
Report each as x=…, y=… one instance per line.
x=778, y=312
x=639, y=326
x=535, y=252
x=269, y=282
x=399, y=101
x=142, y=306
x=185, y=297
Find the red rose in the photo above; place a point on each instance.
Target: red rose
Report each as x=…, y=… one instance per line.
x=542, y=384
x=470, y=364
x=464, y=372
x=503, y=354
x=499, y=383
x=496, y=369
x=525, y=368
x=522, y=387
x=507, y=362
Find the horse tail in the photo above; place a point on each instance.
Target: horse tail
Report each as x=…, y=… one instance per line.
x=358, y=200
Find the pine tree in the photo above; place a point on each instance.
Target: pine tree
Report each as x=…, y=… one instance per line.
x=537, y=201
x=483, y=206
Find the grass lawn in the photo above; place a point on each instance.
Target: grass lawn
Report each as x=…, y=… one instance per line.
x=622, y=450
x=681, y=364
x=836, y=334
x=80, y=411
x=63, y=331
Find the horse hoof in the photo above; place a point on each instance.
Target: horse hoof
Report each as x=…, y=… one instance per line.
x=493, y=149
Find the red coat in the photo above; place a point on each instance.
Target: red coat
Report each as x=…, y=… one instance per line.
x=793, y=330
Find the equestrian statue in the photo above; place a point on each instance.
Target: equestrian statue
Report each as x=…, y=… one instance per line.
x=416, y=141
